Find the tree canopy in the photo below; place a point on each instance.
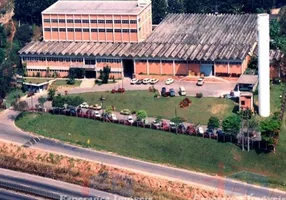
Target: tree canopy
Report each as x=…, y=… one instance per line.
x=231, y=124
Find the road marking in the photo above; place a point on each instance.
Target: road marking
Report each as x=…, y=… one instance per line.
x=31, y=142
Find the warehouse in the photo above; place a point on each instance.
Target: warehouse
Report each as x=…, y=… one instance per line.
x=182, y=44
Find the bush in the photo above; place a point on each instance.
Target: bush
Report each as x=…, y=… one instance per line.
x=113, y=91
x=276, y=81
x=213, y=122
x=38, y=74
x=71, y=81
x=199, y=95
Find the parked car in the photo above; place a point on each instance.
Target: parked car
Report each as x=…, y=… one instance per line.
x=125, y=112
x=130, y=119
x=164, y=126
x=154, y=80
x=84, y=105
x=182, y=91
x=163, y=92
x=155, y=124
x=134, y=81
x=97, y=114
x=95, y=107
x=172, y=125
x=172, y=92
x=140, y=81
x=191, y=130
x=112, y=117
x=169, y=81
x=200, y=82
x=200, y=130
x=146, y=81
x=181, y=128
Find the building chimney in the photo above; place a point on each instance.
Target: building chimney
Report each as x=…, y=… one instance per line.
x=263, y=65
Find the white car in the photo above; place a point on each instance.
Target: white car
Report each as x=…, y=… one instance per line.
x=84, y=105
x=200, y=130
x=113, y=117
x=200, y=82
x=130, y=119
x=97, y=114
x=146, y=80
x=154, y=80
x=156, y=124
x=134, y=81
x=169, y=81
x=172, y=125
x=182, y=91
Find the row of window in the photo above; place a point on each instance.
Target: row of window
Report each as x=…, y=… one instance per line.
x=91, y=30
x=190, y=62
x=43, y=70
x=93, y=21
x=87, y=61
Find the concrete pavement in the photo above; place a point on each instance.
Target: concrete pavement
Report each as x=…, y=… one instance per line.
x=9, y=132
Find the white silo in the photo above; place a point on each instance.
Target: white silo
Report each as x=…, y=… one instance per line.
x=263, y=65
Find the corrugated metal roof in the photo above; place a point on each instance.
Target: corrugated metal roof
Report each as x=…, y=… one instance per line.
x=205, y=37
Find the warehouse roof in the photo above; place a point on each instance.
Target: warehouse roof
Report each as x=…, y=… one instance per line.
x=205, y=37
x=274, y=54
x=93, y=7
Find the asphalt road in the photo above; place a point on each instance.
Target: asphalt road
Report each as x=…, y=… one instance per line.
x=11, y=195
x=8, y=132
x=46, y=187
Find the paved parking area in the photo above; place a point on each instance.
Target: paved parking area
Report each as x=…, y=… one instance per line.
x=208, y=89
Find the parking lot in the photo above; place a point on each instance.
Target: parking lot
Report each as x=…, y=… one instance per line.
x=214, y=89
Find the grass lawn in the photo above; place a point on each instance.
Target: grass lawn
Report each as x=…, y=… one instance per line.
x=198, y=112
x=58, y=83
x=200, y=154
x=37, y=80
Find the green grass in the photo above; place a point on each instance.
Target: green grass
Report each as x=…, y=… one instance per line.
x=198, y=112
x=195, y=153
x=37, y=80
x=58, y=83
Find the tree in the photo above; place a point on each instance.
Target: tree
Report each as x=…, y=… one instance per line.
x=109, y=109
x=213, y=122
x=24, y=34
x=159, y=119
x=51, y=93
x=159, y=10
x=58, y=101
x=141, y=115
x=71, y=81
x=176, y=6
x=231, y=124
x=270, y=130
x=73, y=101
x=20, y=106
x=177, y=120
x=42, y=100
x=104, y=74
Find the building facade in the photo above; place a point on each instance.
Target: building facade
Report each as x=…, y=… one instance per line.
x=118, y=34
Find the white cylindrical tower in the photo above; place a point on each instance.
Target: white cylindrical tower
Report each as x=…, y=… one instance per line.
x=263, y=65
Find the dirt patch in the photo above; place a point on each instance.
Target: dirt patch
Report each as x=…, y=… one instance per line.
x=94, y=175
x=218, y=108
x=236, y=156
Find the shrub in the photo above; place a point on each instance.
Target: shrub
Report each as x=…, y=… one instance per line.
x=213, y=122
x=38, y=74
x=185, y=103
x=71, y=81
x=199, y=95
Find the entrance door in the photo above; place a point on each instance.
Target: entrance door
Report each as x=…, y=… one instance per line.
x=207, y=69
x=128, y=67
x=90, y=74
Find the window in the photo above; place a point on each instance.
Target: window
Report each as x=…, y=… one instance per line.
x=54, y=20
x=77, y=21
x=70, y=30
x=109, y=21
x=69, y=21
x=117, y=21
x=133, y=21
x=243, y=103
x=55, y=29
x=60, y=59
x=85, y=30
x=141, y=61
x=86, y=21
x=117, y=30
x=180, y=61
x=133, y=31
x=139, y=20
x=47, y=20
x=42, y=59
x=62, y=29
x=78, y=30
x=100, y=21
x=62, y=21
x=125, y=30
x=47, y=29
x=125, y=22
x=101, y=30
x=164, y=61
x=109, y=30
x=93, y=30
x=94, y=21
x=90, y=61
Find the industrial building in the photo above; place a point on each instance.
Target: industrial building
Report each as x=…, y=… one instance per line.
x=118, y=34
